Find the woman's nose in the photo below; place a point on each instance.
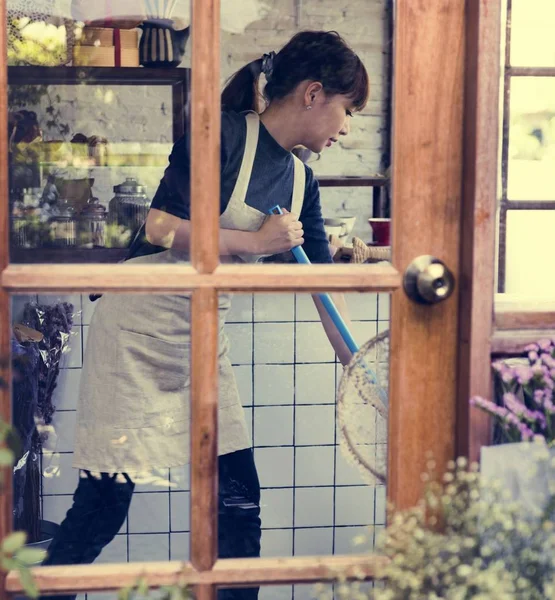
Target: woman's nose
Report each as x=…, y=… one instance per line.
x=346, y=127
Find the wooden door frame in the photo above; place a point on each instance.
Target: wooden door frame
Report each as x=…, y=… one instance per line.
x=427, y=167
x=478, y=222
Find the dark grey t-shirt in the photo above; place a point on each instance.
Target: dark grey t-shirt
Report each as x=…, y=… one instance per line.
x=271, y=183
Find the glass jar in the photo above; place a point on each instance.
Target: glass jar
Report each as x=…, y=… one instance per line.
x=63, y=225
x=129, y=207
x=27, y=225
x=92, y=225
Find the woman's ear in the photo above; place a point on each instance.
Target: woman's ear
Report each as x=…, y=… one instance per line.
x=313, y=89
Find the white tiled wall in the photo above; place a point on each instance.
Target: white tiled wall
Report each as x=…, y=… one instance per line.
x=313, y=500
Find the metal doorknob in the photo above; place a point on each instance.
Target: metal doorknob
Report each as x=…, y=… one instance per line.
x=428, y=281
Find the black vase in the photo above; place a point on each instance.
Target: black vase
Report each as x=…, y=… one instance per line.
x=161, y=45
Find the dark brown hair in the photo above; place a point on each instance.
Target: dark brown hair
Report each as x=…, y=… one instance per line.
x=322, y=56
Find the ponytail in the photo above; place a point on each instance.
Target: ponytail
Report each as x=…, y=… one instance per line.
x=241, y=91
x=322, y=56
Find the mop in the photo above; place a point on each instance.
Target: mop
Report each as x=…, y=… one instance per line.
x=362, y=394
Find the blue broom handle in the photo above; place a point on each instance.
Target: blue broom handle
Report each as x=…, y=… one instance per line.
x=335, y=316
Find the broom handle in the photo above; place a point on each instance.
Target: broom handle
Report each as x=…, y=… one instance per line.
x=329, y=305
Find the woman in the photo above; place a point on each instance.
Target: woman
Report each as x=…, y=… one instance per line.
x=133, y=409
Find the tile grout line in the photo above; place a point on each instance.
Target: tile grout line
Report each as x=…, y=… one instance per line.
x=334, y=494
x=293, y=506
x=252, y=372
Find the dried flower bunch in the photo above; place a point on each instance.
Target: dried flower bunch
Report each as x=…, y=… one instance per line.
x=526, y=408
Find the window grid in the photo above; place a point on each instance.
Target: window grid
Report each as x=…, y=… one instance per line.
x=505, y=205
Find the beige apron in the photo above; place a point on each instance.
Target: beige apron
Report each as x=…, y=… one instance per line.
x=133, y=411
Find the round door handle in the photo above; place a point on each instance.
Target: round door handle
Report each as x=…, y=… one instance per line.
x=427, y=280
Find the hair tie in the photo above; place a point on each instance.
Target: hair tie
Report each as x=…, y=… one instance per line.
x=268, y=64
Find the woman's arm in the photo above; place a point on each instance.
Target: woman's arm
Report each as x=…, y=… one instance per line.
x=341, y=349
x=279, y=233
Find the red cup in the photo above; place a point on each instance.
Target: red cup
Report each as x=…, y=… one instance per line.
x=381, y=231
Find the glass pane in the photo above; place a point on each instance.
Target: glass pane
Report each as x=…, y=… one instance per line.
x=528, y=262
x=532, y=139
x=348, y=158
x=104, y=391
x=532, y=42
x=317, y=497
x=92, y=121
x=279, y=394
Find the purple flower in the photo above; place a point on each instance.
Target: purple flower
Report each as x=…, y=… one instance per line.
x=507, y=376
x=499, y=366
x=545, y=344
x=525, y=432
x=538, y=397
x=523, y=374
x=521, y=411
x=489, y=406
x=514, y=404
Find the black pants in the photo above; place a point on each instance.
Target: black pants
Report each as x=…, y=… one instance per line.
x=100, y=505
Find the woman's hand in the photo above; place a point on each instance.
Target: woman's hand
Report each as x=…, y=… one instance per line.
x=279, y=233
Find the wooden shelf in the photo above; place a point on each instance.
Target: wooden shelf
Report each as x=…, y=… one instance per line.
x=66, y=255
x=352, y=181
x=53, y=167
x=22, y=75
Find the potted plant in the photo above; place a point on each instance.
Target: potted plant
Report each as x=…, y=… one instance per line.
x=523, y=411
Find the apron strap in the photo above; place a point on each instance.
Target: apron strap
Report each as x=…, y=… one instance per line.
x=298, y=186
x=245, y=172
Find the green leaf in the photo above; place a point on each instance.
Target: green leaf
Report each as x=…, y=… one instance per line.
x=9, y=564
x=124, y=593
x=142, y=587
x=30, y=556
x=28, y=583
x=176, y=593
x=6, y=457
x=14, y=542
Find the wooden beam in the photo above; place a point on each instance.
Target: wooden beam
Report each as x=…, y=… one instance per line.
x=174, y=279
x=205, y=592
x=205, y=134
x=426, y=181
x=516, y=312
x=204, y=430
x=477, y=275
x=531, y=71
x=512, y=343
x=228, y=572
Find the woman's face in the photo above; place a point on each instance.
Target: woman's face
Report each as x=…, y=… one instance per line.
x=326, y=120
